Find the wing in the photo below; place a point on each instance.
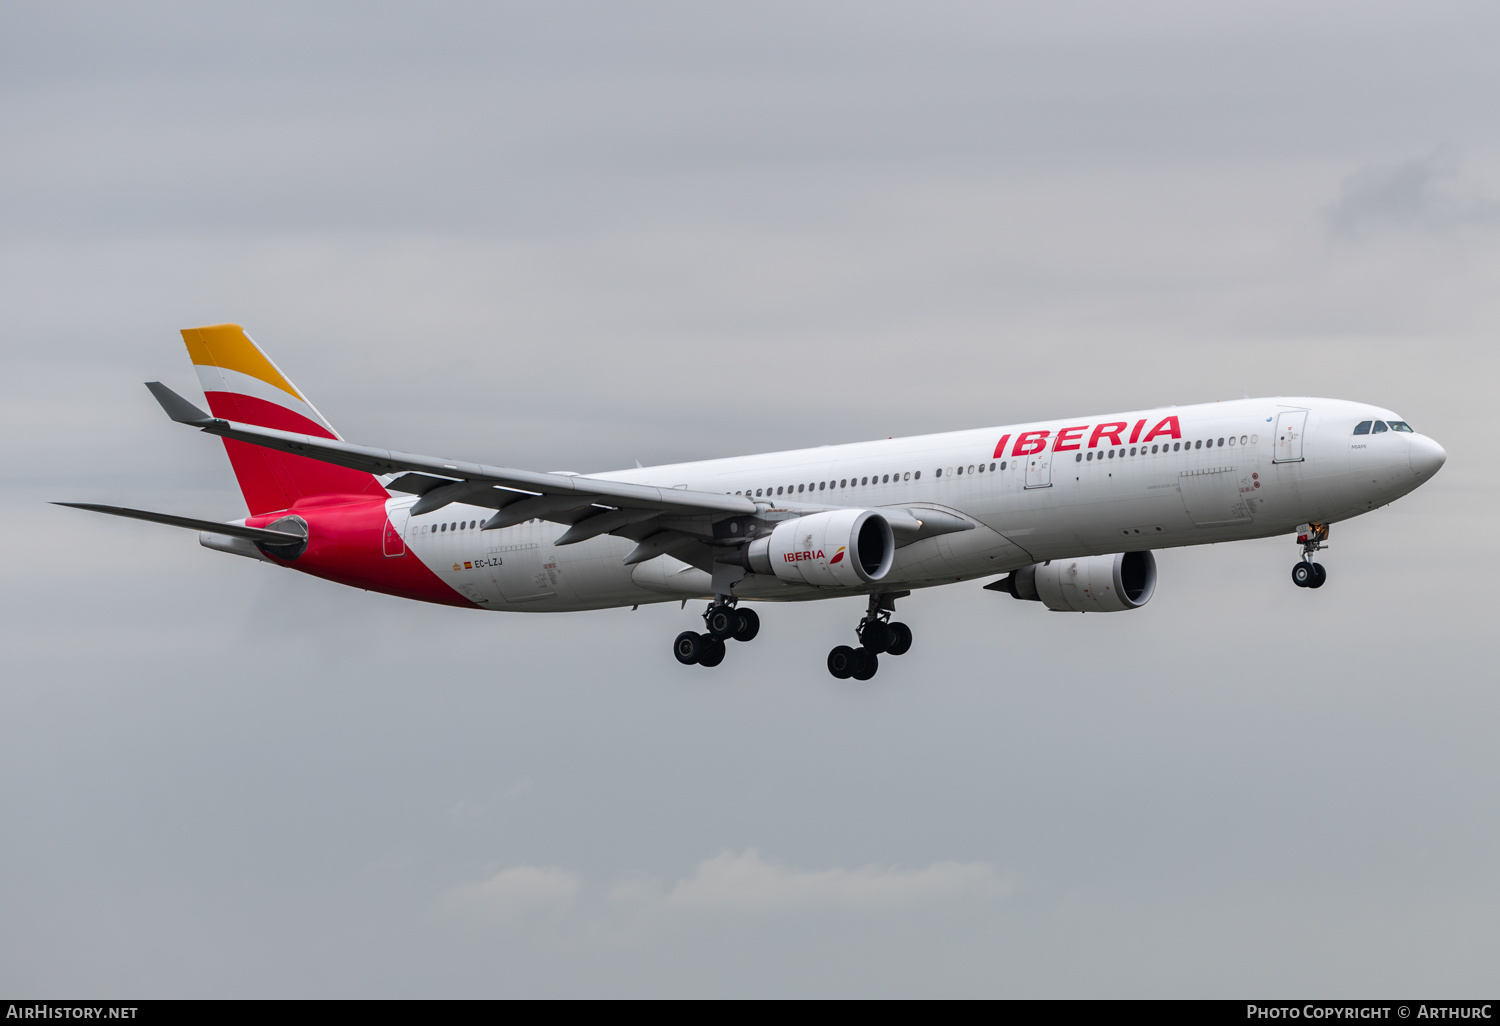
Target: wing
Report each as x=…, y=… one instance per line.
x=589, y=506
x=693, y=526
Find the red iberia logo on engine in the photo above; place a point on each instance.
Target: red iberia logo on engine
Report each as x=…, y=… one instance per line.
x=797, y=557
x=838, y=555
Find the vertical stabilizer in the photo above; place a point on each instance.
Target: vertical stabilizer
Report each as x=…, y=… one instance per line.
x=242, y=384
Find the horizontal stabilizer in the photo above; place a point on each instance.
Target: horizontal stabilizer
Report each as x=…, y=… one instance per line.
x=259, y=534
x=178, y=408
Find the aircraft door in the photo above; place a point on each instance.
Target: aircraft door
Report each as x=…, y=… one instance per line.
x=1212, y=496
x=1289, y=427
x=392, y=543
x=1039, y=469
x=518, y=572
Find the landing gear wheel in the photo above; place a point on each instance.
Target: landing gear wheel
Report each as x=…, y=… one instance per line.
x=900, y=642
x=1319, y=576
x=876, y=637
x=749, y=625
x=1302, y=574
x=841, y=662
x=689, y=647
x=713, y=652
x=865, y=664
x=721, y=621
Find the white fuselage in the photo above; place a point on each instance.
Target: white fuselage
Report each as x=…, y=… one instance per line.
x=1249, y=468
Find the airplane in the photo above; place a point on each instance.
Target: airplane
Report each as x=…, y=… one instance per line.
x=1065, y=513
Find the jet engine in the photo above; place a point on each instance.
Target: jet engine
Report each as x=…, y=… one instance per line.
x=1094, y=584
x=843, y=548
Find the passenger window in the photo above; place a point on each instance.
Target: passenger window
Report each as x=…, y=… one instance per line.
x=1111, y=454
x=1379, y=427
x=971, y=468
x=1002, y=465
x=939, y=472
x=906, y=476
x=992, y=468
x=1198, y=444
x=1132, y=450
x=886, y=479
x=960, y=470
x=1153, y=450
x=864, y=480
x=1400, y=425
x=981, y=468
x=919, y=476
x=1078, y=458
x=1221, y=442
x=778, y=490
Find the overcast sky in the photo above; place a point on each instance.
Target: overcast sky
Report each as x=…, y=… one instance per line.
x=574, y=236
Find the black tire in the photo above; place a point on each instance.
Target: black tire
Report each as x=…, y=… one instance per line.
x=841, y=662
x=721, y=622
x=1302, y=574
x=875, y=636
x=749, y=625
x=900, y=640
x=865, y=664
x=1319, y=576
x=688, y=648
x=713, y=652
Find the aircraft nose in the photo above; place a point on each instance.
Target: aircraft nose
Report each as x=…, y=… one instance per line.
x=1426, y=456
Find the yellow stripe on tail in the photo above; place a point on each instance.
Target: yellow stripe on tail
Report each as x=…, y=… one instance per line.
x=228, y=347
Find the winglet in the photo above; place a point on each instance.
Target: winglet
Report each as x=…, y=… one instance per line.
x=178, y=408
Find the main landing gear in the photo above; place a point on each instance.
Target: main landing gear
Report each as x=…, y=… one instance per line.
x=876, y=634
x=724, y=621
x=1307, y=574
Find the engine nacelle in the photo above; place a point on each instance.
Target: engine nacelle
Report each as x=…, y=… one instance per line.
x=843, y=548
x=1094, y=584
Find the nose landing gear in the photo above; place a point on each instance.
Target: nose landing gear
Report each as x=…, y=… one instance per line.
x=1306, y=573
x=724, y=621
x=876, y=634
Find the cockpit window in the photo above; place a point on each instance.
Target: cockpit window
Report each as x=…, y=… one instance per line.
x=1379, y=426
x=1400, y=425
x=1362, y=428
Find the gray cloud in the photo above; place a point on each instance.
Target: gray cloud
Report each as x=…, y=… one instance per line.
x=1425, y=195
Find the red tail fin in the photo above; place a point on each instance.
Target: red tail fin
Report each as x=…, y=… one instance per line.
x=242, y=384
